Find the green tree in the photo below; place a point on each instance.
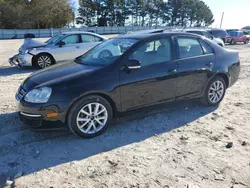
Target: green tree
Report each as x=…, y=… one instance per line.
x=145, y=12
x=35, y=14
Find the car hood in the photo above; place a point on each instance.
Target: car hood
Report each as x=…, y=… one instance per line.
x=57, y=74
x=31, y=43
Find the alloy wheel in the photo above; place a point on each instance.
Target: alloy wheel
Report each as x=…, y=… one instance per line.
x=105, y=54
x=216, y=92
x=92, y=118
x=44, y=61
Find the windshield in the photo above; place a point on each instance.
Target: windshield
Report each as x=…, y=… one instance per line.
x=107, y=52
x=54, y=39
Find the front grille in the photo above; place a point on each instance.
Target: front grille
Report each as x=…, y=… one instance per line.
x=34, y=122
x=20, y=94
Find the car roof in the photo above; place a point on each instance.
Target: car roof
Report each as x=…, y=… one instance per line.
x=76, y=32
x=150, y=31
x=215, y=29
x=82, y=32
x=194, y=30
x=145, y=36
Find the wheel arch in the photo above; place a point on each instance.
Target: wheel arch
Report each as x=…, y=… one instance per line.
x=223, y=75
x=105, y=96
x=45, y=53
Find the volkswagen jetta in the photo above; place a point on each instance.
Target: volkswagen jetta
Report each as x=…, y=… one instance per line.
x=150, y=69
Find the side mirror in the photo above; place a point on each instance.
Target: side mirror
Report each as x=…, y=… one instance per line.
x=61, y=44
x=133, y=64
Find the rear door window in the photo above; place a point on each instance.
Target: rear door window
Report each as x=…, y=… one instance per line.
x=90, y=38
x=206, y=48
x=189, y=47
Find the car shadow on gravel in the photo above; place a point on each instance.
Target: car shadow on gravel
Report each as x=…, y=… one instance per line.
x=8, y=71
x=32, y=151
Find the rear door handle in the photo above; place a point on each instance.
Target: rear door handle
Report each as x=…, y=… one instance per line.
x=209, y=64
x=77, y=47
x=172, y=71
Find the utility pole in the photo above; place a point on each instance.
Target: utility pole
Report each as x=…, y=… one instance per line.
x=221, y=19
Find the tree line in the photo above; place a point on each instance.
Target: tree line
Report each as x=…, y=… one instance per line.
x=35, y=14
x=144, y=13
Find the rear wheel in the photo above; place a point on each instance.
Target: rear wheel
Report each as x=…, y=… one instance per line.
x=215, y=91
x=246, y=41
x=90, y=116
x=43, y=61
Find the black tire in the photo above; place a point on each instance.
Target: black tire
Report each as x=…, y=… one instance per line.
x=105, y=54
x=75, y=112
x=205, y=99
x=43, y=60
x=246, y=41
x=233, y=42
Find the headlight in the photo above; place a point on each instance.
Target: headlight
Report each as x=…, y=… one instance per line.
x=40, y=95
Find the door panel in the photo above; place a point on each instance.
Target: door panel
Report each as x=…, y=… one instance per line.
x=148, y=85
x=70, y=50
x=195, y=64
x=153, y=83
x=193, y=75
x=67, y=52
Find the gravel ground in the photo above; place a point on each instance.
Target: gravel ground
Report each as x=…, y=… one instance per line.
x=185, y=145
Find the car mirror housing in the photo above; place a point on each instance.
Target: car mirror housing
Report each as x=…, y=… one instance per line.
x=61, y=44
x=133, y=64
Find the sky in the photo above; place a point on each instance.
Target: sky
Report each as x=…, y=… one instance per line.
x=236, y=12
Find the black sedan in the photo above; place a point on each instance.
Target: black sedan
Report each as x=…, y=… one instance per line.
x=150, y=69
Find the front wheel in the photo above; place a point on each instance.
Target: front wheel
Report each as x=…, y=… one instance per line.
x=90, y=116
x=215, y=91
x=246, y=41
x=105, y=54
x=43, y=61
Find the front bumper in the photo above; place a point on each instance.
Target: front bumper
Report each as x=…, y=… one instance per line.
x=21, y=60
x=35, y=121
x=36, y=115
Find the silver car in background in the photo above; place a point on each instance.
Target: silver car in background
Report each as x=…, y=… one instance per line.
x=63, y=47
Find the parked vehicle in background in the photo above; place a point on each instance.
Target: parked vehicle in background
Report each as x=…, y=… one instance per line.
x=63, y=47
x=237, y=36
x=153, y=69
x=144, y=31
x=218, y=33
x=229, y=30
x=207, y=35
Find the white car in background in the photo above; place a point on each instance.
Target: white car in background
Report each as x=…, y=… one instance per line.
x=207, y=35
x=63, y=47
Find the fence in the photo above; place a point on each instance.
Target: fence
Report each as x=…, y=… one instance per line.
x=44, y=33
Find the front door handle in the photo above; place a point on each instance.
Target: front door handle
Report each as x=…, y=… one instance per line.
x=77, y=47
